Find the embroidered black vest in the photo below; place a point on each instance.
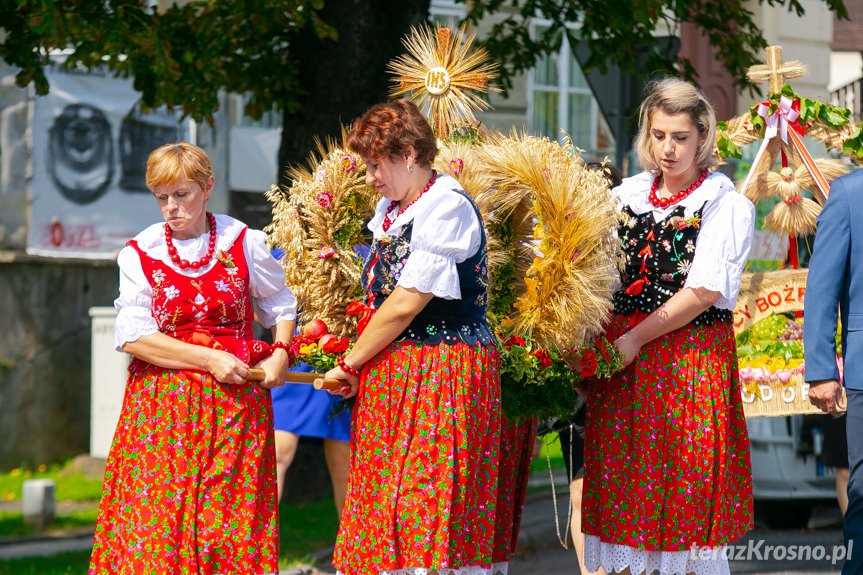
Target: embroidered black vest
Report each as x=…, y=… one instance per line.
x=441, y=320
x=658, y=259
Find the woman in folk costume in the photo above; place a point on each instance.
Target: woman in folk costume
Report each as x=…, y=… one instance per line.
x=425, y=370
x=190, y=482
x=667, y=452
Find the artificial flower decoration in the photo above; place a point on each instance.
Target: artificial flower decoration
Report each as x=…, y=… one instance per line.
x=325, y=199
x=543, y=356
x=321, y=174
x=326, y=252
x=456, y=165
x=336, y=345
x=226, y=259
x=349, y=162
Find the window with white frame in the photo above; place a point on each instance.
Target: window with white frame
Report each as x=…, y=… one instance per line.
x=446, y=12
x=559, y=98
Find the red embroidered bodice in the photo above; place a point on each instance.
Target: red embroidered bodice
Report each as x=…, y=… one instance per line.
x=213, y=306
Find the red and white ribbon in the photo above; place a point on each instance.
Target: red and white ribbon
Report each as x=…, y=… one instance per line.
x=777, y=122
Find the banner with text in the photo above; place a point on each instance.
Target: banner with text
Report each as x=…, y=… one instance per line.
x=90, y=147
x=768, y=292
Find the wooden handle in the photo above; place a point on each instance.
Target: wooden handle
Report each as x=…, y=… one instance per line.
x=302, y=377
x=327, y=383
x=308, y=377
x=290, y=376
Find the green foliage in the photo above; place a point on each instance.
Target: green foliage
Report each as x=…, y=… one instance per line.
x=811, y=111
x=180, y=57
x=502, y=292
x=726, y=146
x=854, y=143
x=621, y=32
x=530, y=386
x=184, y=55
x=467, y=133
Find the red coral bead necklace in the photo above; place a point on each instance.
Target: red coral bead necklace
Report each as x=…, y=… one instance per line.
x=387, y=221
x=665, y=202
x=185, y=264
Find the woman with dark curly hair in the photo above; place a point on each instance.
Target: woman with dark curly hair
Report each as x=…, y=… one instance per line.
x=425, y=433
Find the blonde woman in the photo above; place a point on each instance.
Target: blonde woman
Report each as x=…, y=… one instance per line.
x=667, y=478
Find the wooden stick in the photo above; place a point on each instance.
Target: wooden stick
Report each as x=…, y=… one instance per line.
x=328, y=383
x=257, y=375
x=291, y=377
x=302, y=377
x=307, y=377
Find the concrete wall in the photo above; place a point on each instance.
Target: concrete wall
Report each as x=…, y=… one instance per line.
x=45, y=355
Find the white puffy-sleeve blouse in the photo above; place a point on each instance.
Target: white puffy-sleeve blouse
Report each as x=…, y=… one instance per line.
x=446, y=231
x=273, y=300
x=725, y=237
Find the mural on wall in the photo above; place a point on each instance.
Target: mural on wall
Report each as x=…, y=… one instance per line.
x=139, y=135
x=89, y=148
x=81, y=153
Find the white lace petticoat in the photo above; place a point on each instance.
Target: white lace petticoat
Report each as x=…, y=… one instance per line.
x=614, y=558
x=493, y=569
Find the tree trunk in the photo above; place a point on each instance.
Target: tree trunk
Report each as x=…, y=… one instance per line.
x=343, y=78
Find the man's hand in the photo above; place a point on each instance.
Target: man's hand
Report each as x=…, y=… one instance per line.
x=826, y=395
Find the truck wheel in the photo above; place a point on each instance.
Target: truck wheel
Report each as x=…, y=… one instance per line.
x=784, y=514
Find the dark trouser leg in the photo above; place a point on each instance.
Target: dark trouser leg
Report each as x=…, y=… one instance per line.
x=854, y=516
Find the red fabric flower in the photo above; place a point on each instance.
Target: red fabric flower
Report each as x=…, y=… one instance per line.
x=602, y=346
x=515, y=340
x=543, y=356
x=337, y=345
x=365, y=313
x=588, y=363
x=299, y=340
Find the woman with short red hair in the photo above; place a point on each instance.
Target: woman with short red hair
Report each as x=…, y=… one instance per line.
x=426, y=423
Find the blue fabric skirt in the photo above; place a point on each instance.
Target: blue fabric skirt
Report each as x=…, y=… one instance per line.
x=305, y=411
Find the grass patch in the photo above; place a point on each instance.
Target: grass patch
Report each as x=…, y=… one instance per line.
x=71, y=563
x=550, y=445
x=69, y=486
x=304, y=528
x=11, y=523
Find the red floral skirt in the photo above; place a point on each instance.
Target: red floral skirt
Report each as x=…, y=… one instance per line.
x=190, y=484
x=516, y=452
x=666, y=446
x=425, y=440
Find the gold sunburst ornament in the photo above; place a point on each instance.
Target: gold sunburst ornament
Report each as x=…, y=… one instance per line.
x=444, y=75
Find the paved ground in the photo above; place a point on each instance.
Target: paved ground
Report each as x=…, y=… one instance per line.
x=540, y=553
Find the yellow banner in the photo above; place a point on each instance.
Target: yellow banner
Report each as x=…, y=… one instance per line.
x=764, y=293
